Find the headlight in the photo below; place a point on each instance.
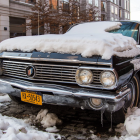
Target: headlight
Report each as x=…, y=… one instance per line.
x=84, y=77
x=107, y=79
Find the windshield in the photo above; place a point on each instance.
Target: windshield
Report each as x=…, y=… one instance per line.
x=129, y=29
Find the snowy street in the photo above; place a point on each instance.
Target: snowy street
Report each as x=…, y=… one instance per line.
x=77, y=124
x=18, y=121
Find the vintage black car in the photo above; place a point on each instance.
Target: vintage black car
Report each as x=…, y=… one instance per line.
x=61, y=79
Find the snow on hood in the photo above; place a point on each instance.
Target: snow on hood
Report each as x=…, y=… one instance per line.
x=87, y=39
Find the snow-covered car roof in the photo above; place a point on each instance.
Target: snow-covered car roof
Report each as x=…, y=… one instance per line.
x=87, y=39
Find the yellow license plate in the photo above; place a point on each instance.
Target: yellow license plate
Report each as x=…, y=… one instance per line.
x=31, y=97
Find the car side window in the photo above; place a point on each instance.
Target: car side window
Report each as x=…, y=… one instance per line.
x=129, y=29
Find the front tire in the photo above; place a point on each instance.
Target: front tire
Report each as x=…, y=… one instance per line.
x=131, y=100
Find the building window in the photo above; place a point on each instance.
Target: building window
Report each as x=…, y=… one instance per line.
x=128, y=16
x=54, y=4
x=111, y=0
x=66, y=1
x=112, y=9
x=128, y=5
x=75, y=11
x=90, y=1
x=116, y=19
x=116, y=10
x=27, y=1
x=97, y=16
x=96, y=3
x=120, y=13
x=35, y=31
x=30, y=1
x=112, y=18
x=102, y=17
x=115, y=1
x=103, y=6
x=16, y=28
x=65, y=5
x=125, y=14
x=120, y=2
x=54, y=29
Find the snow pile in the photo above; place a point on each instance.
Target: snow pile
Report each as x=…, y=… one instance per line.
x=5, y=98
x=52, y=129
x=87, y=39
x=94, y=137
x=136, y=63
x=130, y=130
x=47, y=120
x=132, y=122
x=16, y=129
x=6, y=88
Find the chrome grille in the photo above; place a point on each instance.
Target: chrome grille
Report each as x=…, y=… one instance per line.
x=96, y=77
x=55, y=72
x=47, y=72
x=43, y=72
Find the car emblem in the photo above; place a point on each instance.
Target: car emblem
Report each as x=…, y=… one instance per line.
x=30, y=71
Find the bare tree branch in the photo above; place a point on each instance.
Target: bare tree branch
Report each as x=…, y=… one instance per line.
x=60, y=17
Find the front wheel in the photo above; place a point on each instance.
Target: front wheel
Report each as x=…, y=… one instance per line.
x=131, y=100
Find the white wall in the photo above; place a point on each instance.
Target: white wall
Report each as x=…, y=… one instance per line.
x=4, y=22
x=28, y=32
x=4, y=2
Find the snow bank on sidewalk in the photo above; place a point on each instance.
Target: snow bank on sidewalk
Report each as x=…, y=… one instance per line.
x=6, y=88
x=15, y=129
x=46, y=119
x=5, y=98
x=130, y=130
x=87, y=39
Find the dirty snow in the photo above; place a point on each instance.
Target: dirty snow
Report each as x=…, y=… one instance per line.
x=136, y=63
x=47, y=119
x=6, y=88
x=130, y=130
x=4, y=98
x=86, y=39
x=16, y=129
x=52, y=129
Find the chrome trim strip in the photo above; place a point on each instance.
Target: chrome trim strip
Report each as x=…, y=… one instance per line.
x=128, y=61
x=39, y=64
x=124, y=93
x=124, y=62
x=64, y=90
x=27, y=56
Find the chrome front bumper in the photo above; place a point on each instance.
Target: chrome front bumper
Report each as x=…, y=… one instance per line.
x=65, y=90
